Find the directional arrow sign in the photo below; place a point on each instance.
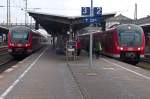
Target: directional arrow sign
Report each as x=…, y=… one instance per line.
x=91, y=20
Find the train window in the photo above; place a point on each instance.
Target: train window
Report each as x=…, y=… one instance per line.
x=130, y=38
x=19, y=36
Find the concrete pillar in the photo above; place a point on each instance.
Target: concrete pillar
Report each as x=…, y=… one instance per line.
x=36, y=25
x=53, y=41
x=71, y=33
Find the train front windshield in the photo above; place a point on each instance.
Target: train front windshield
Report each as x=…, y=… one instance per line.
x=19, y=36
x=130, y=36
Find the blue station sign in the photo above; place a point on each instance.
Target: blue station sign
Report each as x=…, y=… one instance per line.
x=91, y=20
x=97, y=11
x=85, y=11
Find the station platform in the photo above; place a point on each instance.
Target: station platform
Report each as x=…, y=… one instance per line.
x=45, y=75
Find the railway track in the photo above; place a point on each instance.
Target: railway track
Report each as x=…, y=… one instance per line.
x=4, y=56
x=3, y=50
x=6, y=61
x=145, y=63
x=7, y=65
x=147, y=58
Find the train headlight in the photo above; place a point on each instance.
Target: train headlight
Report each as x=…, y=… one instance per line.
x=121, y=48
x=27, y=45
x=139, y=48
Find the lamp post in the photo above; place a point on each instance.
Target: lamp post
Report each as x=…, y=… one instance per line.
x=26, y=6
x=25, y=9
x=28, y=9
x=8, y=13
x=1, y=6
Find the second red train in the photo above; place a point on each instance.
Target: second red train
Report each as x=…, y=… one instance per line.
x=125, y=42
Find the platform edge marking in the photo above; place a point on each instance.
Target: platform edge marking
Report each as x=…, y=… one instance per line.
x=134, y=72
x=5, y=93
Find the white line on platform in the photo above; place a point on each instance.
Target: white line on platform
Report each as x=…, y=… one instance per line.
x=15, y=66
x=1, y=77
x=8, y=70
x=134, y=72
x=91, y=74
x=137, y=67
x=21, y=62
x=108, y=68
x=3, y=95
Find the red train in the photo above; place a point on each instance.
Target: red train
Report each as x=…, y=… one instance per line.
x=125, y=42
x=23, y=41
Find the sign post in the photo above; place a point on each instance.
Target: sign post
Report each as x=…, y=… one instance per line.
x=91, y=37
x=93, y=16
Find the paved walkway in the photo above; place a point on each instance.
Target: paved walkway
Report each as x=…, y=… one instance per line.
x=45, y=78
x=110, y=79
x=46, y=75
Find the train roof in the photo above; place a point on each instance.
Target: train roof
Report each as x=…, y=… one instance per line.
x=127, y=26
x=124, y=26
x=20, y=28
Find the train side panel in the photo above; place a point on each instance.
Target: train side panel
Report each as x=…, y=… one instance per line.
x=109, y=42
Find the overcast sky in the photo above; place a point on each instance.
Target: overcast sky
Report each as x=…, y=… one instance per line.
x=73, y=7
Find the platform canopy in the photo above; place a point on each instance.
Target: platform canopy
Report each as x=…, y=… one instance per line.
x=144, y=23
x=58, y=24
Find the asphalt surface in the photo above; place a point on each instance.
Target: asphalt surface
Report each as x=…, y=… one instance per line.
x=45, y=75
